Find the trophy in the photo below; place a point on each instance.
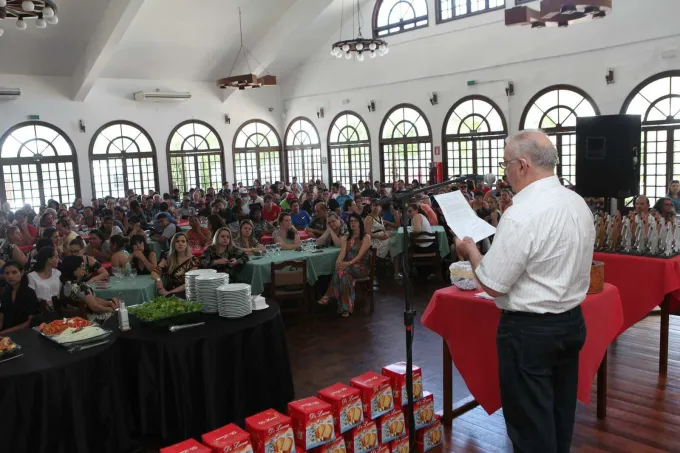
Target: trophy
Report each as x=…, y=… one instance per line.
x=663, y=234
x=627, y=236
x=652, y=237
x=600, y=243
x=668, y=247
x=614, y=237
x=676, y=239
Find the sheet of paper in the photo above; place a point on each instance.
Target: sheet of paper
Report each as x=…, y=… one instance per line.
x=461, y=218
x=484, y=295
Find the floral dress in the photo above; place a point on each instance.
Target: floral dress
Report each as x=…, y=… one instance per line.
x=210, y=255
x=381, y=246
x=6, y=251
x=175, y=276
x=343, y=279
x=76, y=291
x=90, y=269
x=254, y=243
x=260, y=229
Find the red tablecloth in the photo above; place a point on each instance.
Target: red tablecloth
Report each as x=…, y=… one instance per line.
x=183, y=223
x=468, y=324
x=643, y=282
x=268, y=239
x=25, y=248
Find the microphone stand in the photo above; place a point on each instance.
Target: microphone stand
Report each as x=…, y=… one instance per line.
x=402, y=198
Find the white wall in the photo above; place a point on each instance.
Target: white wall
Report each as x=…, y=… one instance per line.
x=441, y=58
x=111, y=99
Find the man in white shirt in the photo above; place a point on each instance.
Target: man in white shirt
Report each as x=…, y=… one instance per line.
x=538, y=271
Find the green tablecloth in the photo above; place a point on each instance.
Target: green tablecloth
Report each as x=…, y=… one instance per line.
x=258, y=272
x=397, y=246
x=158, y=248
x=133, y=291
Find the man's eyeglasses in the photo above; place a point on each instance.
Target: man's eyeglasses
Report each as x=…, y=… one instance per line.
x=505, y=164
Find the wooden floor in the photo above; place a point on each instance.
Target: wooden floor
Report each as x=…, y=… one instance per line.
x=643, y=410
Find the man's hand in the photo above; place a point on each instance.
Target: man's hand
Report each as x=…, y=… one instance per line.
x=465, y=247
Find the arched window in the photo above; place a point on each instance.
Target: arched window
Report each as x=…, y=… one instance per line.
x=395, y=16
x=349, y=145
x=195, y=157
x=303, y=151
x=474, y=133
x=456, y=9
x=37, y=163
x=554, y=110
x=657, y=101
x=406, y=145
x=123, y=157
x=257, y=153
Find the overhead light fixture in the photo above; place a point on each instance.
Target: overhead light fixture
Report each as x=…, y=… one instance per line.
x=43, y=11
x=558, y=13
x=358, y=47
x=249, y=80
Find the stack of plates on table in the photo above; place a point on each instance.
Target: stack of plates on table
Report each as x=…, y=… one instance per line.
x=190, y=280
x=233, y=301
x=259, y=302
x=206, y=286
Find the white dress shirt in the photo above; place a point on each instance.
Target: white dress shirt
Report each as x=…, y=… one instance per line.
x=542, y=251
x=45, y=288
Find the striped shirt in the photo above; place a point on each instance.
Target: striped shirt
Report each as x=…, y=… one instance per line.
x=542, y=251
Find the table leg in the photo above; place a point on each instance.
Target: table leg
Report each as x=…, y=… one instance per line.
x=663, y=340
x=448, y=384
x=602, y=388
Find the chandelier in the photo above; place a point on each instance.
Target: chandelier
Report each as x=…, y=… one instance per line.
x=249, y=80
x=43, y=11
x=558, y=13
x=359, y=46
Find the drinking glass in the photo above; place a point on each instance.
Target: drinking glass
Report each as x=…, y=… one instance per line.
x=268, y=249
x=278, y=249
x=133, y=273
x=117, y=273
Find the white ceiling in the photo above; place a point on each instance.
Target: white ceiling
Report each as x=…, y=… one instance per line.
x=167, y=39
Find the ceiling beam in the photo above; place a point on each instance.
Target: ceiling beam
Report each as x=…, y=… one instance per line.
x=297, y=18
x=116, y=20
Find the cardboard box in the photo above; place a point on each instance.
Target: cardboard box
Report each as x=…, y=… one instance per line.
x=400, y=445
x=423, y=411
x=430, y=436
x=363, y=438
x=397, y=374
x=336, y=446
x=228, y=439
x=383, y=448
x=312, y=422
x=271, y=432
x=346, y=403
x=391, y=426
x=188, y=446
x=376, y=394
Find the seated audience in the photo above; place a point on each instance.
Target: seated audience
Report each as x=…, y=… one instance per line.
x=375, y=228
x=494, y=212
x=350, y=207
x=177, y=262
x=98, y=247
x=286, y=234
x=301, y=218
x=108, y=229
x=198, y=234
x=75, y=289
x=261, y=226
x=270, y=211
x=223, y=255
x=352, y=263
x=318, y=223
x=142, y=257
x=135, y=226
x=66, y=235
x=119, y=256
x=506, y=200
x=391, y=217
x=215, y=222
x=52, y=234
x=9, y=250
x=166, y=230
x=342, y=196
x=18, y=303
x=186, y=210
x=89, y=220
x=29, y=233
x=665, y=208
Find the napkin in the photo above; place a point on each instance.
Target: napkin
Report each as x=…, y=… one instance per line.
x=484, y=295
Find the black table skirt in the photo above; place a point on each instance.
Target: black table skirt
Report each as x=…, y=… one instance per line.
x=184, y=384
x=53, y=401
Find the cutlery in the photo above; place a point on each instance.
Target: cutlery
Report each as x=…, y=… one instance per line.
x=185, y=326
x=79, y=348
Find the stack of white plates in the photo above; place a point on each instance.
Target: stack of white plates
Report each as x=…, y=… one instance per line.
x=190, y=280
x=233, y=301
x=205, y=289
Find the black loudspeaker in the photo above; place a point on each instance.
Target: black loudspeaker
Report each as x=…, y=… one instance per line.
x=608, y=156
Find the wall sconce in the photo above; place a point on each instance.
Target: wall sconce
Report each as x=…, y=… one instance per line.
x=371, y=106
x=609, y=77
x=510, y=89
x=320, y=113
x=81, y=125
x=434, y=99
x=227, y=120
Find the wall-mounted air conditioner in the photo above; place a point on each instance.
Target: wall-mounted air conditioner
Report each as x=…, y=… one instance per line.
x=10, y=94
x=161, y=96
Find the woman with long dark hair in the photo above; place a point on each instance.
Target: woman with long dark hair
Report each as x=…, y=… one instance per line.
x=94, y=271
x=76, y=290
x=9, y=251
x=352, y=263
x=19, y=302
x=246, y=240
x=98, y=247
x=119, y=256
x=142, y=257
x=44, y=277
x=286, y=234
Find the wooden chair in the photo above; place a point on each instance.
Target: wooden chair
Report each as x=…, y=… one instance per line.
x=289, y=282
x=366, y=283
x=425, y=256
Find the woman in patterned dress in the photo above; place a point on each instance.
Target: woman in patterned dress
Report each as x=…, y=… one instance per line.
x=374, y=226
x=9, y=251
x=75, y=289
x=352, y=263
x=246, y=241
x=94, y=271
x=177, y=262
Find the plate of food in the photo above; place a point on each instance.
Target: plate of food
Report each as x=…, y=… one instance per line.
x=8, y=348
x=164, y=311
x=69, y=332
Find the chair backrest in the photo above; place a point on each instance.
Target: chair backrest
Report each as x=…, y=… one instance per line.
x=289, y=273
x=371, y=263
x=424, y=241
